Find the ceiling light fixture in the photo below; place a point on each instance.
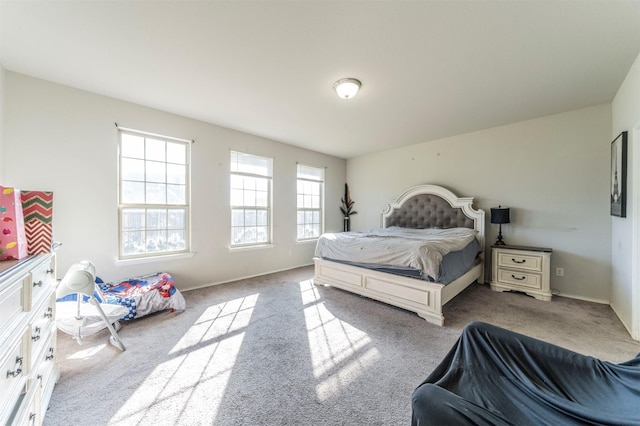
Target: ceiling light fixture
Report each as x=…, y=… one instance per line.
x=347, y=88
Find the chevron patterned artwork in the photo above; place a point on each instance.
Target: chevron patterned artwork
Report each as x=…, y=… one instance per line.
x=37, y=207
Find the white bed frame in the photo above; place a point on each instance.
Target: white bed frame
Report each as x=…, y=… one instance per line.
x=416, y=295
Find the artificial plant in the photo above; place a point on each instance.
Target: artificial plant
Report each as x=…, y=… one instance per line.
x=347, y=207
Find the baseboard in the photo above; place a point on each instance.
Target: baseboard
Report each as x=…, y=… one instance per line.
x=626, y=326
x=586, y=299
x=244, y=277
x=603, y=302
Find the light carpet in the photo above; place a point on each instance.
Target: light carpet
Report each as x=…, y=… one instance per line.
x=276, y=350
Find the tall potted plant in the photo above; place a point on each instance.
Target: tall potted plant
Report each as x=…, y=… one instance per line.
x=347, y=208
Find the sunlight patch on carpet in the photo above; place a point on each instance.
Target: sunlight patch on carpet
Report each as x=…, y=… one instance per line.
x=87, y=353
x=197, y=369
x=340, y=352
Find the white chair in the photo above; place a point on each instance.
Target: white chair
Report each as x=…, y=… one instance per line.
x=86, y=316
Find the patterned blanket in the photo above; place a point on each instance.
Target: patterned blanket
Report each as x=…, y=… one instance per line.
x=144, y=295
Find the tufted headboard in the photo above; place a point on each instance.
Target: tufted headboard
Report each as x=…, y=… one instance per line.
x=428, y=211
x=432, y=206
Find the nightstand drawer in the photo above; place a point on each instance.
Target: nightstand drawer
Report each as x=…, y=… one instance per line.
x=519, y=278
x=521, y=261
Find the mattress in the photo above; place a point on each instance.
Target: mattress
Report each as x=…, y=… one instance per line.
x=435, y=255
x=452, y=267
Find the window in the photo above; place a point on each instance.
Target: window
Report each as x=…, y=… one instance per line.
x=310, y=203
x=154, y=175
x=250, y=199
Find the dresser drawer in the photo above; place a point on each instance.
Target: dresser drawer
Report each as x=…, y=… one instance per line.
x=513, y=259
x=12, y=302
x=47, y=374
x=519, y=278
x=28, y=412
x=14, y=369
x=42, y=326
x=43, y=278
x=46, y=359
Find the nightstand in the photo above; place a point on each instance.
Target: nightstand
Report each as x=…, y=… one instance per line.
x=525, y=269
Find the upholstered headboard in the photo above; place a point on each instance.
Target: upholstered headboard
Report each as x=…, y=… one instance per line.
x=432, y=206
x=428, y=211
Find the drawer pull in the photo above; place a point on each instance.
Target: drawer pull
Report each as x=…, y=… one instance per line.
x=518, y=278
x=36, y=335
x=518, y=261
x=50, y=356
x=50, y=271
x=32, y=418
x=49, y=313
x=14, y=373
x=17, y=371
x=38, y=283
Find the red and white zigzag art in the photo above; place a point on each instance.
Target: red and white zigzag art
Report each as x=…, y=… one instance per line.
x=37, y=208
x=37, y=205
x=40, y=235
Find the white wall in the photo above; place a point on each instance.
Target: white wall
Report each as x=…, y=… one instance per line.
x=625, y=233
x=64, y=140
x=553, y=172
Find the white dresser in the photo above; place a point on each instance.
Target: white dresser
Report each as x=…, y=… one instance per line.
x=525, y=269
x=27, y=338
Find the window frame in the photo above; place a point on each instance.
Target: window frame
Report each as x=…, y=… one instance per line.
x=320, y=209
x=269, y=200
x=183, y=207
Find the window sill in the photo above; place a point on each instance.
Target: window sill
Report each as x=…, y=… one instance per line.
x=308, y=241
x=249, y=248
x=153, y=259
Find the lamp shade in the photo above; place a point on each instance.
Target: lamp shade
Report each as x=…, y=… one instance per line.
x=347, y=88
x=500, y=215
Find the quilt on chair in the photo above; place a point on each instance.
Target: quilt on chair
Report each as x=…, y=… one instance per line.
x=493, y=376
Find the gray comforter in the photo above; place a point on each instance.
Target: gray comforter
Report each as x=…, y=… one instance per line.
x=422, y=249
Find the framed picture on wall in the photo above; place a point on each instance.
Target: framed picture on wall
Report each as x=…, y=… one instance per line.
x=618, y=186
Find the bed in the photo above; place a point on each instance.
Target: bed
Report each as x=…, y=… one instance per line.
x=420, y=207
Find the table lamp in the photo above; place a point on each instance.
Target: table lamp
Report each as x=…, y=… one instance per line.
x=500, y=215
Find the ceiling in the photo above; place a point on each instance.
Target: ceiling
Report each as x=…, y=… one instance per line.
x=429, y=69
